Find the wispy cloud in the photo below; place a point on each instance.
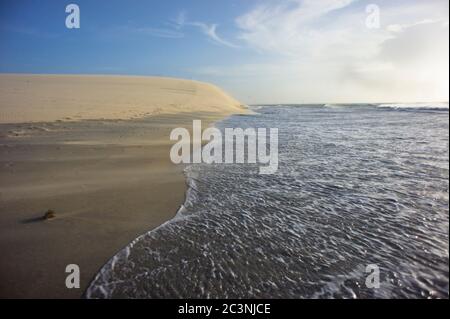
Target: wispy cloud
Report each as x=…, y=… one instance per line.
x=397, y=28
x=210, y=30
x=296, y=27
x=149, y=31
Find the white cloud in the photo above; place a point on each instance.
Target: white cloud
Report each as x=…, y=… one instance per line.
x=156, y=32
x=209, y=30
x=329, y=55
x=291, y=27
x=144, y=31
x=397, y=28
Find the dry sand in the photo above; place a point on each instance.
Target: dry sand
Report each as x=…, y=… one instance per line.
x=38, y=98
x=73, y=144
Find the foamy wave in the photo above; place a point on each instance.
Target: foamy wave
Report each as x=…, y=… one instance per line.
x=103, y=284
x=427, y=106
x=332, y=105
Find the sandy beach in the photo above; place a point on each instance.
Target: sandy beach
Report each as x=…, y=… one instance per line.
x=223, y=151
x=95, y=150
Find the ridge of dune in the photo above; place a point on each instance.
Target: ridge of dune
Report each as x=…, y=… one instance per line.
x=45, y=98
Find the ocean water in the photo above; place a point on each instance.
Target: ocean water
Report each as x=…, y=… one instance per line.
x=357, y=185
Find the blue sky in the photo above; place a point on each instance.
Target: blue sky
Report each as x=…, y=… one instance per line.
x=261, y=51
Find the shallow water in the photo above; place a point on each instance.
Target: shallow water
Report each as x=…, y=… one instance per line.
x=356, y=185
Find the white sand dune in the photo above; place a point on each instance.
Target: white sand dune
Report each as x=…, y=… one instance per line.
x=44, y=98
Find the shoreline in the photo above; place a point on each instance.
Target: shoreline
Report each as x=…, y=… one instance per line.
x=92, y=222
x=108, y=182
x=125, y=250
